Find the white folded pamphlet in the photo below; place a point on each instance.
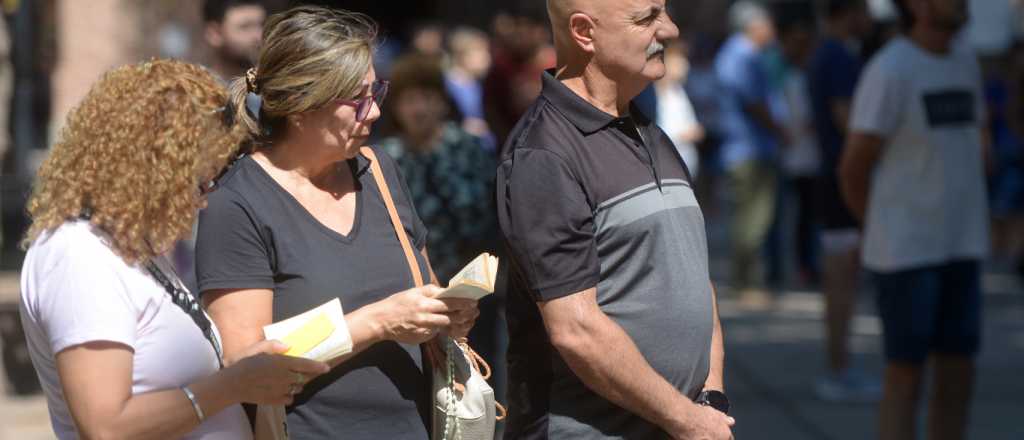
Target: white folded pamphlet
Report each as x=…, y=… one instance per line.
x=320, y=334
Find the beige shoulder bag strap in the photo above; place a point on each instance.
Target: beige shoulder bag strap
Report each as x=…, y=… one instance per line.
x=433, y=349
x=446, y=422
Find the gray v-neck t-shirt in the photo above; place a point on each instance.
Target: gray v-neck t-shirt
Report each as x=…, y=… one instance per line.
x=255, y=235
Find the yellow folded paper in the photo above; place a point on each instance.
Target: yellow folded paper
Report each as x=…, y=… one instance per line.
x=311, y=334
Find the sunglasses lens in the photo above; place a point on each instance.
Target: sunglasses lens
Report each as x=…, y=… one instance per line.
x=380, y=91
x=364, y=109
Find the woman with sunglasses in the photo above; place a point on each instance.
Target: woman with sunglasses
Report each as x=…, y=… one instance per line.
x=121, y=347
x=300, y=221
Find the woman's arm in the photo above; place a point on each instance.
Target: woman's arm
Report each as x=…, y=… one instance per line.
x=240, y=315
x=97, y=381
x=411, y=316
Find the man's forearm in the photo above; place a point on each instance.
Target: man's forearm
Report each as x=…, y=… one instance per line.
x=853, y=182
x=716, y=372
x=608, y=362
x=861, y=153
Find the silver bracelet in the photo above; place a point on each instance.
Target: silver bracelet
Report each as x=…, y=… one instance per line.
x=195, y=403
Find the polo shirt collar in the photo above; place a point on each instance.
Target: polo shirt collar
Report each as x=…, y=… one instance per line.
x=587, y=118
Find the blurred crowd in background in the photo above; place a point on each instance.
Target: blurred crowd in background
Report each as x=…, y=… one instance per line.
x=463, y=72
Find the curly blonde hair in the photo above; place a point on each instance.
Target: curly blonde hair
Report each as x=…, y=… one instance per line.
x=132, y=155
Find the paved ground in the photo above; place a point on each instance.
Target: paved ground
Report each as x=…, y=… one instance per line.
x=773, y=358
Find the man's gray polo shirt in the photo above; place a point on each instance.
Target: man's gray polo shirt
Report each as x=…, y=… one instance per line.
x=586, y=199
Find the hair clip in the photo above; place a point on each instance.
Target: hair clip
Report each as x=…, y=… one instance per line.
x=253, y=104
x=250, y=80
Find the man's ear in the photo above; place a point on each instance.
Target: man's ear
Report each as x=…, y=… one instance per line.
x=581, y=30
x=213, y=35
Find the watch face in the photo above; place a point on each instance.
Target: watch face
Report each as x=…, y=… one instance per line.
x=717, y=400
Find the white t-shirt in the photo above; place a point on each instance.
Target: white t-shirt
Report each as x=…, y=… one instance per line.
x=927, y=203
x=675, y=116
x=801, y=158
x=993, y=25
x=74, y=290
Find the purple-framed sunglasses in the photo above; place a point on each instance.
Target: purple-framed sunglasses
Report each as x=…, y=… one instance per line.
x=378, y=91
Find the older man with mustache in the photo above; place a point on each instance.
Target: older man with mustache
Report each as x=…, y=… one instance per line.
x=613, y=326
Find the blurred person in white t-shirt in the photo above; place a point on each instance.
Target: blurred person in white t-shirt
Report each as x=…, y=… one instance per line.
x=993, y=25
x=913, y=172
x=675, y=111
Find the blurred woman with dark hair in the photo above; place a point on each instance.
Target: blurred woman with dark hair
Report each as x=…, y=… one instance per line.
x=450, y=176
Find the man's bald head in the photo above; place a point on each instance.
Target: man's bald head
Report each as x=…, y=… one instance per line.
x=559, y=12
x=621, y=39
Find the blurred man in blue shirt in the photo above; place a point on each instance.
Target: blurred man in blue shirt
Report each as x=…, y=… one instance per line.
x=751, y=139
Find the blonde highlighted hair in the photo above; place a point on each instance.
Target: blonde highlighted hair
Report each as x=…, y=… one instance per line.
x=310, y=56
x=132, y=155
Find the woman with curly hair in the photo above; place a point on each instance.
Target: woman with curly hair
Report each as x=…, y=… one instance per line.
x=300, y=221
x=121, y=347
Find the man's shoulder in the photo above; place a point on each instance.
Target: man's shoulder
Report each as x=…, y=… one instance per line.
x=732, y=51
x=734, y=45
x=895, y=56
x=542, y=128
x=965, y=56
x=889, y=65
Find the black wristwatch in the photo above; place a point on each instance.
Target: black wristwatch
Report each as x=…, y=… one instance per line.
x=714, y=399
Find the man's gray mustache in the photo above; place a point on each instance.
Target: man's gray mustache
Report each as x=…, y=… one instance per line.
x=654, y=48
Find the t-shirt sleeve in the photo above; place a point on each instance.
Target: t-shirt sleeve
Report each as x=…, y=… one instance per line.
x=878, y=102
x=230, y=254
x=85, y=299
x=547, y=224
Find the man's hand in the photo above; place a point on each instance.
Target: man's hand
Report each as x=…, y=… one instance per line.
x=707, y=423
